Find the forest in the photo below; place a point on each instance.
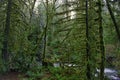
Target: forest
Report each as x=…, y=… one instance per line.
x=59, y=40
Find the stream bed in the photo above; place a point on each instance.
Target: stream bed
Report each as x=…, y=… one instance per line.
x=110, y=74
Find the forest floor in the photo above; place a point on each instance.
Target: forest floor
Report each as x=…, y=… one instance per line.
x=11, y=76
x=18, y=76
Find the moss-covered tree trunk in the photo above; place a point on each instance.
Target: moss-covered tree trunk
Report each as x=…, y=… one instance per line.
x=5, y=50
x=32, y=9
x=102, y=50
x=45, y=36
x=88, y=69
x=113, y=19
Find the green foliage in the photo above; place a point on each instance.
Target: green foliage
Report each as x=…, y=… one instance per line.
x=65, y=38
x=59, y=73
x=34, y=73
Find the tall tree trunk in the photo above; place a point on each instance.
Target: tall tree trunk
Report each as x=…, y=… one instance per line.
x=88, y=72
x=31, y=10
x=5, y=51
x=45, y=35
x=102, y=50
x=113, y=19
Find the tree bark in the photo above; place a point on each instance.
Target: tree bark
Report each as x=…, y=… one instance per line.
x=88, y=72
x=31, y=10
x=102, y=49
x=5, y=51
x=113, y=19
x=45, y=35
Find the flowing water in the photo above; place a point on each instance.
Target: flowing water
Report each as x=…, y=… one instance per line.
x=109, y=72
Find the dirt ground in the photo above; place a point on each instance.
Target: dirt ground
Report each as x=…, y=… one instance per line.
x=11, y=76
x=19, y=76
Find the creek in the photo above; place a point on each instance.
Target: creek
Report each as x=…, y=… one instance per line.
x=110, y=73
